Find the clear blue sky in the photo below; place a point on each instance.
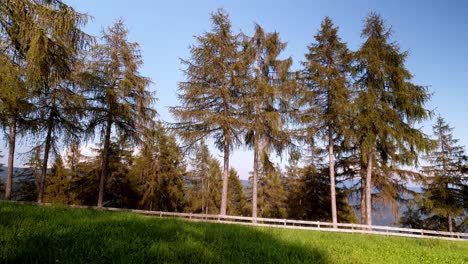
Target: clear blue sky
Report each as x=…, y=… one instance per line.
x=434, y=32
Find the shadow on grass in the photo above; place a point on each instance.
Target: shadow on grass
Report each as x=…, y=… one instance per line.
x=60, y=235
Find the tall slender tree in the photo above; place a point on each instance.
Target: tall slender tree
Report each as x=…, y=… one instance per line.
x=210, y=93
x=14, y=108
x=447, y=181
x=388, y=106
x=119, y=95
x=327, y=72
x=41, y=38
x=264, y=99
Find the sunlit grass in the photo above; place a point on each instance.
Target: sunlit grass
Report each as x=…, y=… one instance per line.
x=58, y=234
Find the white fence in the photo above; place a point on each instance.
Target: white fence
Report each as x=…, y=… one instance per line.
x=296, y=224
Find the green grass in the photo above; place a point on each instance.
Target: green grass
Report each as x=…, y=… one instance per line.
x=58, y=234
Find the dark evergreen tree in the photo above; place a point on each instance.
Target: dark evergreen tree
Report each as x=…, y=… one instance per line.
x=59, y=180
x=237, y=202
x=158, y=172
x=210, y=93
x=204, y=182
x=388, y=106
x=272, y=191
x=326, y=74
x=444, y=195
x=120, y=99
x=118, y=187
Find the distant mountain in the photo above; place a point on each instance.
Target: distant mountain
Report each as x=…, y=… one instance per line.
x=245, y=184
x=16, y=171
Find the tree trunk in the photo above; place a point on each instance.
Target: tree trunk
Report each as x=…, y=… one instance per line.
x=11, y=158
x=255, y=182
x=46, y=159
x=331, y=158
x=369, y=189
x=105, y=161
x=450, y=225
x=225, y=179
x=363, y=201
x=362, y=172
x=203, y=195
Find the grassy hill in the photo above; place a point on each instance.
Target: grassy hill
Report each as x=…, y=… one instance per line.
x=58, y=234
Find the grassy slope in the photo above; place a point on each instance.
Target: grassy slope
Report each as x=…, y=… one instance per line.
x=57, y=234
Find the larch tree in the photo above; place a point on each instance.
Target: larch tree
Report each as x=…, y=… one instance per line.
x=327, y=71
x=264, y=100
x=387, y=107
x=45, y=39
x=446, y=179
x=42, y=39
x=120, y=100
x=14, y=108
x=210, y=92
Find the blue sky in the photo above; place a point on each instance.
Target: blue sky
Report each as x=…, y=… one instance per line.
x=434, y=32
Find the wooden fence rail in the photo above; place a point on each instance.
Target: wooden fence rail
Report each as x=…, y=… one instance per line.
x=292, y=224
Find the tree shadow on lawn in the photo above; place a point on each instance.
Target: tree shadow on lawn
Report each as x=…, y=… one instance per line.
x=87, y=236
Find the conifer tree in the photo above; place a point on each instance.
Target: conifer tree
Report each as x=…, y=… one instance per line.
x=74, y=159
x=43, y=38
x=29, y=178
x=388, y=106
x=210, y=93
x=121, y=101
x=272, y=192
x=14, y=109
x=57, y=190
x=446, y=179
x=159, y=171
x=118, y=188
x=265, y=98
x=237, y=202
x=204, y=182
x=326, y=73
x=76, y=167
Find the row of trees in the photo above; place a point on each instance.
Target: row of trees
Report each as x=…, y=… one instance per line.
x=347, y=119
x=358, y=106
x=59, y=86
x=158, y=178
